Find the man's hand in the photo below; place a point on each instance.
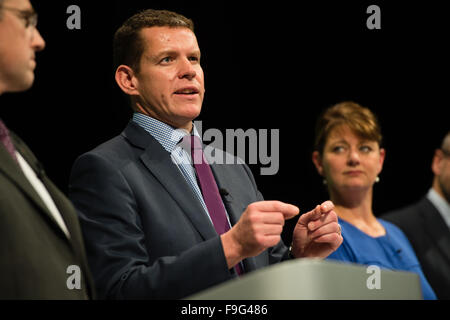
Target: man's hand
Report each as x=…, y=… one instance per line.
x=317, y=233
x=259, y=228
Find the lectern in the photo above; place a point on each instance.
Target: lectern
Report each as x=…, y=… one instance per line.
x=315, y=279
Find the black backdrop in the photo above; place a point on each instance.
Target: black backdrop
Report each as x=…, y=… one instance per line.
x=268, y=65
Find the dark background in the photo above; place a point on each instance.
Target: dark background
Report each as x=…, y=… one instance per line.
x=268, y=65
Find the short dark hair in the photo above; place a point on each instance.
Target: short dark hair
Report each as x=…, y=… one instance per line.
x=128, y=46
x=359, y=119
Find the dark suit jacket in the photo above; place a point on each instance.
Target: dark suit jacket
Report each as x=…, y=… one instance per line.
x=147, y=236
x=34, y=252
x=430, y=238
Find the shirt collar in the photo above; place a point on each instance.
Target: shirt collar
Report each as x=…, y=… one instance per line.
x=441, y=205
x=166, y=135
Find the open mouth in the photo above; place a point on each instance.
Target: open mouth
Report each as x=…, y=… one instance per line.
x=187, y=91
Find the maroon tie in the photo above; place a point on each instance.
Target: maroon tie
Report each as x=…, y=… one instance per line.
x=6, y=140
x=210, y=191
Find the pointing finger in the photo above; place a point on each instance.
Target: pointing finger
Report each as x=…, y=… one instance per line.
x=290, y=211
x=327, y=206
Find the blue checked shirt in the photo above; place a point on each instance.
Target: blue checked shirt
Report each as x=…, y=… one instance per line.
x=169, y=139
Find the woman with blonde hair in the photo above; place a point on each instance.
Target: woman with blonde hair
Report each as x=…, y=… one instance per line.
x=348, y=155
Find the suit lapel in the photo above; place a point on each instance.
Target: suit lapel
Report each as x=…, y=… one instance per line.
x=14, y=172
x=436, y=227
x=11, y=169
x=158, y=162
x=65, y=207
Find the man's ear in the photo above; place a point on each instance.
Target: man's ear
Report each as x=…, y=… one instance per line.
x=126, y=80
x=317, y=162
x=436, y=162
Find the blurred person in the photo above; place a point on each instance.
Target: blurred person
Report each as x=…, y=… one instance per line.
x=41, y=244
x=348, y=155
x=427, y=223
x=156, y=228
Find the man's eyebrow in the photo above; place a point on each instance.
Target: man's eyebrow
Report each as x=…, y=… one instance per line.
x=166, y=53
x=197, y=52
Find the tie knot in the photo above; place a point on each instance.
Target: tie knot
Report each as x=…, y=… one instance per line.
x=196, y=143
x=190, y=142
x=193, y=145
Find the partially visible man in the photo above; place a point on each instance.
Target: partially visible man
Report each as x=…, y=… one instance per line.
x=157, y=227
x=41, y=247
x=427, y=224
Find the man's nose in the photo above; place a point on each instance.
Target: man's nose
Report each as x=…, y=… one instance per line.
x=38, y=42
x=187, y=70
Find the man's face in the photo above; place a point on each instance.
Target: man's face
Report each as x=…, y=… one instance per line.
x=441, y=170
x=18, y=45
x=170, y=80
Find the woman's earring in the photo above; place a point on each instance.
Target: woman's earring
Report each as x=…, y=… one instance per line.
x=324, y=181
x=377, y=179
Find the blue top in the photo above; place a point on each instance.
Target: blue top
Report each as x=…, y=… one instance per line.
x=391, y=251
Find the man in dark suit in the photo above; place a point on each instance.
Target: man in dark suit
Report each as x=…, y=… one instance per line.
x=427, y=224
x=155, y=225
x=41, y=246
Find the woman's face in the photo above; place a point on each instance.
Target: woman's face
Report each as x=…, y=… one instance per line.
x=349, y=162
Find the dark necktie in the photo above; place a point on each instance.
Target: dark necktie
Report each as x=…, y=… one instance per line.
x=5, y=139
x=210, y=191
